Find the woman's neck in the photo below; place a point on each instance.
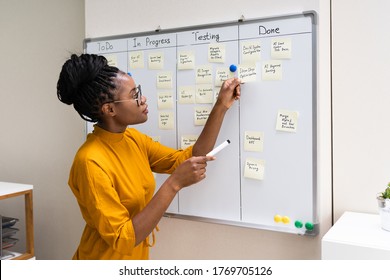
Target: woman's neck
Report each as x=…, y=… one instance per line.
x=111, y=127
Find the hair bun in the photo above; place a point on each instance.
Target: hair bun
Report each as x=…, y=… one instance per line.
x=78, y=72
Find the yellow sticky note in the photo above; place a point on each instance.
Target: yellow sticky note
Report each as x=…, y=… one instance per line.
x=165, y=100
x=247, y=73
x=112, y=59
x=250, y=51
x=165, y=120
x=254, y=168
x=204, y=94
x=253, y=141
x=164, y=80
x=185, y=60
x=281, y=48
x=221, y=75
x=201, y=114
x=287, y=121
x=272, y=70
x=217, y=53
x=188, y=140
x=156, y=61
x=204, y=74
x=156, y=138
x=186, y=94
x=136, y=60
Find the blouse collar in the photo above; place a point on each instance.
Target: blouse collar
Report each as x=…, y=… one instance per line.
x=107, y=135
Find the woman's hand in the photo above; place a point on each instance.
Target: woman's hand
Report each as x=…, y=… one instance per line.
x=230, y=91
x=190, y=171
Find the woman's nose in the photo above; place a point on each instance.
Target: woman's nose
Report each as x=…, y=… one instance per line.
x=143, y=99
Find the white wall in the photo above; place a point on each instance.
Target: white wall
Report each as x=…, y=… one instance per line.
x=181, y=239
x=361, y=100
x=39, y=134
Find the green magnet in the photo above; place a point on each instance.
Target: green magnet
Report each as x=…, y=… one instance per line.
x=298, y=224
x=309, y=226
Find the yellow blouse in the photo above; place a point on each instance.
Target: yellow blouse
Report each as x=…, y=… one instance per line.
x=112, y=180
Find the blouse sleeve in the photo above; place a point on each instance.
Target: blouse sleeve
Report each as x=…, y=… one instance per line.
x=163, y=159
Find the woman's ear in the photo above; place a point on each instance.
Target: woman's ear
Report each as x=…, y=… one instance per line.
x=108, y=109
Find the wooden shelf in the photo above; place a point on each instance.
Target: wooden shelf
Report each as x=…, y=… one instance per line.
x=8, y=190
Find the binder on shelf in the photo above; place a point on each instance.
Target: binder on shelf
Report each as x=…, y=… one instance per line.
x=8, y=221
x=8, y=242
x=9, y=231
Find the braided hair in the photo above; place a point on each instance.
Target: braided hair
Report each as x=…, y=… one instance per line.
x=87, y=82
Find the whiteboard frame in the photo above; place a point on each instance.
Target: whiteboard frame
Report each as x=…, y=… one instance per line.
x=239, y=22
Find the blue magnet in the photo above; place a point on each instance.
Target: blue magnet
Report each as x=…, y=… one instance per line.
x=128, y=73
x=233, y=68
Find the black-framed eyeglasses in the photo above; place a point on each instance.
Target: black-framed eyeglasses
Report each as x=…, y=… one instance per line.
x=137, y=95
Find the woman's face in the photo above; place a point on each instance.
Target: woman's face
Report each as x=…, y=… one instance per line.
x=129, y=105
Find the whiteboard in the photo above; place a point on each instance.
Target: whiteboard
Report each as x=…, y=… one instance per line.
x=266, y=178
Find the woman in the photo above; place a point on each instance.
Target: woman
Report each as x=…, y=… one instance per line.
x=111, y=175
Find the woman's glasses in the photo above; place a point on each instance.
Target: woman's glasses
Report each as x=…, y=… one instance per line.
x=136, y=95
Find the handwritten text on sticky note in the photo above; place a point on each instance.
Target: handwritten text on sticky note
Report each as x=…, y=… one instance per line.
x=287, y=121
x=254, y=168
